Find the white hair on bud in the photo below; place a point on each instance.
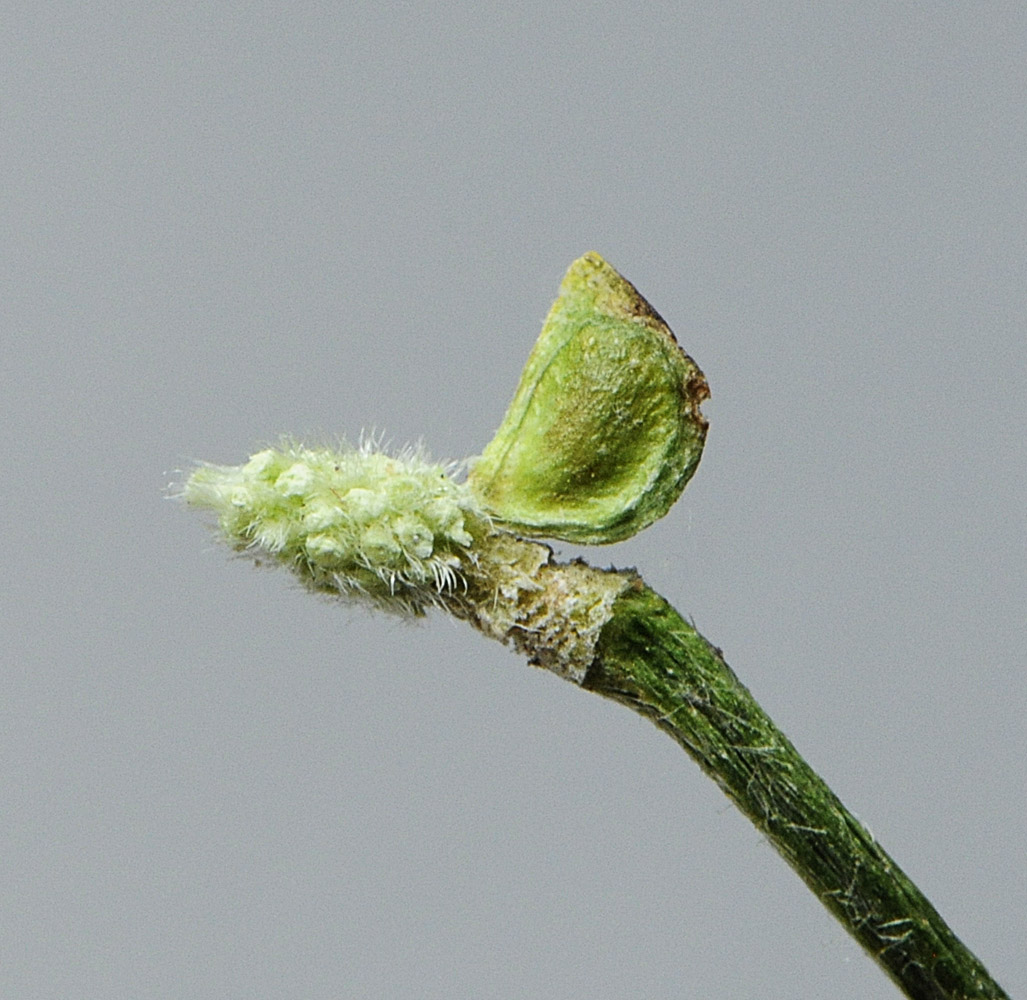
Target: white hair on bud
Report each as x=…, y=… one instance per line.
x=394, y=529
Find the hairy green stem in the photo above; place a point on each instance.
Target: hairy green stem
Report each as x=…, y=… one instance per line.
x=650, y=659
x=609, y=633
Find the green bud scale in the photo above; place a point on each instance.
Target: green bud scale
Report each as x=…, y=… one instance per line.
x=604, y=430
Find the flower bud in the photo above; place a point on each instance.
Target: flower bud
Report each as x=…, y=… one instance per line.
x=396, y=530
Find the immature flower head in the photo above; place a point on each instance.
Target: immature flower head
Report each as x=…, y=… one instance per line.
x=396, y=529
x=602, y=435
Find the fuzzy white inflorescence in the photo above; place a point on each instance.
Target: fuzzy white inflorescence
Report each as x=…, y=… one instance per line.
x=395, y=529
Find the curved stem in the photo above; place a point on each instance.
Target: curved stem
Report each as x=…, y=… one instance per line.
x=408, y=538
x=650, y=659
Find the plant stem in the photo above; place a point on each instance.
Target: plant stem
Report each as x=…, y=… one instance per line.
x=650, y=659
x=399, y=534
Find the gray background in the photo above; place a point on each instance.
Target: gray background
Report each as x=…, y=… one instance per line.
x=223, y=222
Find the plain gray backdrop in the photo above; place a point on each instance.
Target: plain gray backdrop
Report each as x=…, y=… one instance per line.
x=225, y=222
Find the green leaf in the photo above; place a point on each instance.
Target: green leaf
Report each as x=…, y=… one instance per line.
x=604, y=430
